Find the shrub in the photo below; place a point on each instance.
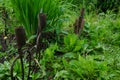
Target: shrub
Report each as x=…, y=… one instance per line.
x=28, y=10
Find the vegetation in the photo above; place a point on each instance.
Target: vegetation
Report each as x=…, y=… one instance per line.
x=56, y=52
x=27, y=11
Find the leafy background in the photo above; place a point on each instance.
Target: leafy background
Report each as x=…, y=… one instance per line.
x=92, y=56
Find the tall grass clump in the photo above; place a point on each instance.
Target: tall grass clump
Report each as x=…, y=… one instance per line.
x=28, y=10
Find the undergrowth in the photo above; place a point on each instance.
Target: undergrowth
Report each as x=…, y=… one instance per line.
x=94, y=55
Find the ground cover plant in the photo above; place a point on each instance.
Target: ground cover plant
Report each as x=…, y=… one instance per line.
x=59, y=40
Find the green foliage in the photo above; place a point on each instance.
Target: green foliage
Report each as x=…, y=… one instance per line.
x=82, y=68
x=47, y=58
x=96, y=5
x=17, y=70
x=108, y=5
x=100, y=29
x=7, y=19
x=72, y=43
x=27, y=11
x=104, y=30
x=90, y=71
x=49, y=52
x=4, y=71
x=89, y=5
x=92, y=56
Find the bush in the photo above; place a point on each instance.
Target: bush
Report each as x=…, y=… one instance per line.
x=108, y=5
x=28, y=10
x=99, y=5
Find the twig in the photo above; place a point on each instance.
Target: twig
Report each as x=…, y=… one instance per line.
x=36, y=61
x=38, y=45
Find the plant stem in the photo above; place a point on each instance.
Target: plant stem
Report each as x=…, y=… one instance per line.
x=29, y=65
x=13, y=63
x=21, y=60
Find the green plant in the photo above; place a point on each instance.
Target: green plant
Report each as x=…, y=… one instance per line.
x=92, y=70
x=88, y=5
x=28, y=10
x=104, y=32
x=92, y=56
x=83, y=68
x=7, y=20
x=111, y=5
x=4, y=71
x=17, y=70
x=108, y=5
x=72, y=43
